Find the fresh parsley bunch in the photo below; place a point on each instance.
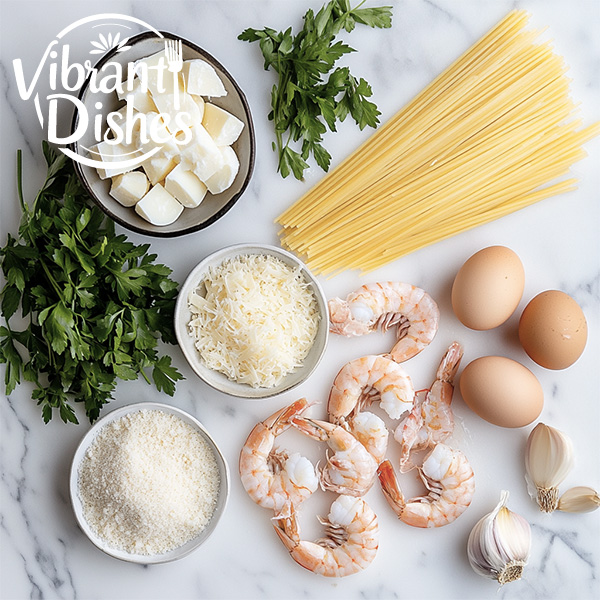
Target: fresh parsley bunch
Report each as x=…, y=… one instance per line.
x=310, y=95
x=94, y=303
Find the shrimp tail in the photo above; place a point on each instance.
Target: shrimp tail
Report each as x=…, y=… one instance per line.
x=287, y=530
x=450, y=363
x=281, y=420
x=389, y=485
x=312, y=428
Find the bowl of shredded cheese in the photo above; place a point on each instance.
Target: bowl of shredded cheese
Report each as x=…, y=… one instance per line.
x=148, y=484
x=252, y=321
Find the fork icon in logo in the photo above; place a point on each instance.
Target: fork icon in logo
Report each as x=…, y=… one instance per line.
x=174, y=56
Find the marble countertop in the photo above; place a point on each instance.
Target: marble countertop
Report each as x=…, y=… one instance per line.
x=43, y=553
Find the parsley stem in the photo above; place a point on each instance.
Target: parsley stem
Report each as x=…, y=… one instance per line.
x=26, y=216
x=24, y=207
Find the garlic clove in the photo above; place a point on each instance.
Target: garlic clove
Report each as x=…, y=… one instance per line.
x=548, y=460
x=499, y=544
x=579, y=499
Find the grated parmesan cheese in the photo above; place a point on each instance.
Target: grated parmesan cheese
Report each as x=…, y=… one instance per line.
x=148, y=483
x=254, y=318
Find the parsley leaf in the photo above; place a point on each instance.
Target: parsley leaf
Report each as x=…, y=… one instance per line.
x=96, y=304
x=310, y=96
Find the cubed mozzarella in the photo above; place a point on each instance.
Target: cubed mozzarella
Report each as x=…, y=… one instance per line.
x=152, y=132
x=158, y=167
x=159, y=207
x=185, y=186
x=201, y=79
x=116, y=120
x=153, y=73
x=167, y=105
x=224, y=177
x=129, y=188
x=128, y=122
x=110, y=152
x=201, y=155
x=199, y=100
x=224, y=128
x=138, y=97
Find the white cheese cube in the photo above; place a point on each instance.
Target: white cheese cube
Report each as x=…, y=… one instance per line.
x=110, y=152
x=170, y=149
x=138, y=97
x=185, y=186
x=166, y=105
x=159, y=207
x=154, y=75
x=116, y=120
x=224, y=128
x=158, y=167
x=125, y=123
x=199, y=100
x=153, y=72
x=152, y=132
x=129, y=188
x=224, y=177
x=201, y=79
x=117, y=132
x=201, y=155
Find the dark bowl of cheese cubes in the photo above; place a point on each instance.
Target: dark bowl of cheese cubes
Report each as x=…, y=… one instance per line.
x=170, y=149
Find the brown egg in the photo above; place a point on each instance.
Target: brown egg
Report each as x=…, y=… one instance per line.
x=488, y=288
x=553, y=330
x=501, y=391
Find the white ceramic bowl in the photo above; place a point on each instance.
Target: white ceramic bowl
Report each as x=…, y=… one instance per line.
x=218, y=380
x=212, y=207
x=181, y=551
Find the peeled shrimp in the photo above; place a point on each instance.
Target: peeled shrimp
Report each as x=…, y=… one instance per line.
x=365, y=379
x=449, y=478
x=272, y=478
x=350, y=544
x=351, y=469
x=388, y=304
x=371, y=432
x=431, y=420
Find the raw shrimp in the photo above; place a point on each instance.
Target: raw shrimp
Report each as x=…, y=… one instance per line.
x=351, y=469
x=371, y=432
x=365, y=379
x=431, y=420
x=388, y=304
x=448, y=476
x=350, y=543
x=272, y=478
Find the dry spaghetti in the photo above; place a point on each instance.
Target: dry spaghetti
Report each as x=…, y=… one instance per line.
x=486, y=138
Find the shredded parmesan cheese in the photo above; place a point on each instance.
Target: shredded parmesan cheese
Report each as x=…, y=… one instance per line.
x=254, y=318
x=148, y=483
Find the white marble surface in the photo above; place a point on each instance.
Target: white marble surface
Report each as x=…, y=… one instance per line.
x=45, y=555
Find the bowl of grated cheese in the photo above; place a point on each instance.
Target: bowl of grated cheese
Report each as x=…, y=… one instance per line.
x=148, y=484
x=252, y=321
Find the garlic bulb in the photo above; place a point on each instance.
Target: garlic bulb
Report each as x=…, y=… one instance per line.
x=499, y=544
x=579, y=499
x=548, y=460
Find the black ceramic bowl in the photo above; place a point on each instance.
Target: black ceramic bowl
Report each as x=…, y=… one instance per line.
x=212, y=207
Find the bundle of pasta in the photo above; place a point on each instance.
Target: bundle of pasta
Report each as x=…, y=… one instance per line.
x=487, y=137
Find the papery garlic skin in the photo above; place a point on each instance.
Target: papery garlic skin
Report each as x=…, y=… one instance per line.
x=579, y=499
x=499, y=544
x=548, y=460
